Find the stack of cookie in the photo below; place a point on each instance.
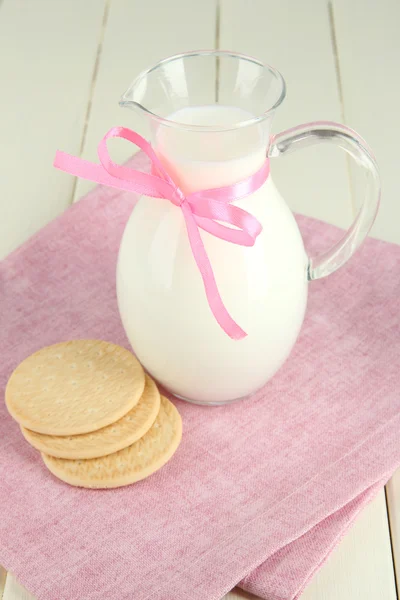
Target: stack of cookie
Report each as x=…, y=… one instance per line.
x=96, y=417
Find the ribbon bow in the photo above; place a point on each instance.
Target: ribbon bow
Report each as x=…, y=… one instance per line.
x=205, y=209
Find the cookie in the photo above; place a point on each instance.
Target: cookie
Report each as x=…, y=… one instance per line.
x=131, y=464
x=107, y=440
x=74, y=387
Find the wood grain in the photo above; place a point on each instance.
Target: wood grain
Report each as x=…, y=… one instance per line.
x=47, y=55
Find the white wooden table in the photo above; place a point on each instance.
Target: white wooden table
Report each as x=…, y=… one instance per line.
x=63, y=65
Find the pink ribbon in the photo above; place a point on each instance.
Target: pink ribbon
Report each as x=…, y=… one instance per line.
x=206, y=209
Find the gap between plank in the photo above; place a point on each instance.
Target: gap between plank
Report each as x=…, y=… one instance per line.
x=92, y=86
x=396, y=583
x=332, y=29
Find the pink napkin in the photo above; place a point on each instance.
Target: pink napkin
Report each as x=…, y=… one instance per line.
x=258, y=492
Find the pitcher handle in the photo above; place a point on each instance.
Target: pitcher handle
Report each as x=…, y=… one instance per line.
x=326, y=131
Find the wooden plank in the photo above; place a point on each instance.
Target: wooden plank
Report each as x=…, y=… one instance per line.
x=3, y=572
x=360, y=568
x=393, y=503
x=295, y=37
x=47, y=55
x=368, y=44
x=14, y=591
x=145, y=41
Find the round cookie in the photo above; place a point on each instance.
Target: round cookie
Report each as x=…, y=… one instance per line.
x=131, y=464
x=74, y=387
x=107, y=440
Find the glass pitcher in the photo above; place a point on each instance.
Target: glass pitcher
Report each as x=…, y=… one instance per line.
x=210, y=114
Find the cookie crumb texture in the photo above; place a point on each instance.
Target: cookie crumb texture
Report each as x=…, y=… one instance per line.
x=129, y=465
x=74, y=387
x=107, y=440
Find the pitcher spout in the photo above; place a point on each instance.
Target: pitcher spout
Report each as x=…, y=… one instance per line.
x=207, y=78
x=133, y=97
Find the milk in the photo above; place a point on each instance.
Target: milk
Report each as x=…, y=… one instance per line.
x=160, y=292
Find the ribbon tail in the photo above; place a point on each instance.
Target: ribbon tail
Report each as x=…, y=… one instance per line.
x=215, y=302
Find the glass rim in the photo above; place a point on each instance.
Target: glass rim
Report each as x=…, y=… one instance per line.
x=195, y=53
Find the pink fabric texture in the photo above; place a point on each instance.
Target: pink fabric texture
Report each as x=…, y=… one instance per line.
x=259, y=492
